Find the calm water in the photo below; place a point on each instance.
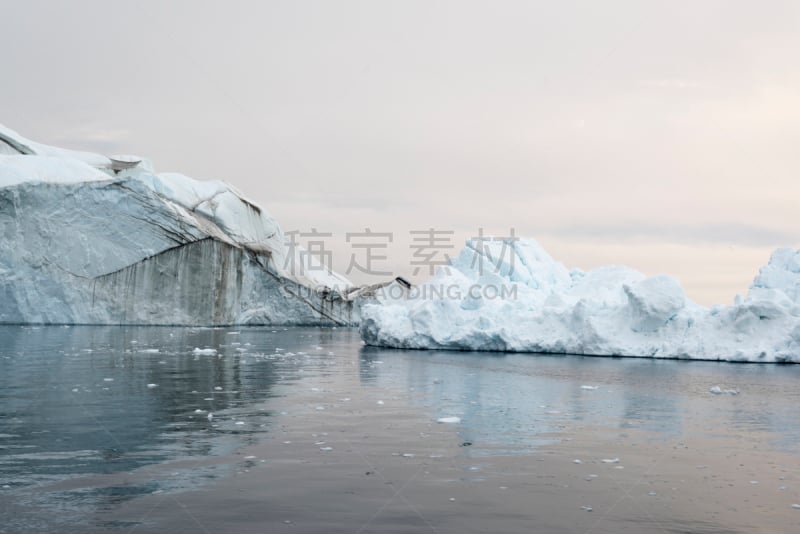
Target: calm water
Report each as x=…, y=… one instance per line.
x=98, y=422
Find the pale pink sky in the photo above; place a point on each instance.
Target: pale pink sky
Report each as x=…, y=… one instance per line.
x=660, y=135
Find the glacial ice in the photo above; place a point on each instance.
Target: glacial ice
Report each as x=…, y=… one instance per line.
x=84, y=241
x=609, y=311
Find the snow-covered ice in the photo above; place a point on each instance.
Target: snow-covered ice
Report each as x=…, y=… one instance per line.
x=512, y=296
x=89, y=239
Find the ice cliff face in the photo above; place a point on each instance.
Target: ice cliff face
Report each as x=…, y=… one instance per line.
x=81, y=243
x=532, y=303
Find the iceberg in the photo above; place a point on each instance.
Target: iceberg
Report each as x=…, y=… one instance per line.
x=90, y=239
x=511, y=295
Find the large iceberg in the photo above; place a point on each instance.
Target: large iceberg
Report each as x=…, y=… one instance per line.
x=510, y=295
x=91, y=239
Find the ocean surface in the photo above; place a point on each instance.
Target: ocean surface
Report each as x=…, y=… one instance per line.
x=148, y=429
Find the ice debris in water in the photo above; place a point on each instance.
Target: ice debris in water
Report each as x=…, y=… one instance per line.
x=151, y=386
x=717, y=390
x=589, y=388
x=610, y=460
x=452, y=419
x=204, y=352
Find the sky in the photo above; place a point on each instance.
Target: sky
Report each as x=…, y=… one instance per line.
x=660, y=135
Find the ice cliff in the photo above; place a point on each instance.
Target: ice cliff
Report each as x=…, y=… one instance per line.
x=512, y=296
x=90, y=239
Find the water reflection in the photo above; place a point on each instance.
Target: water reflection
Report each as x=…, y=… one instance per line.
x=517, y=402
x=104, y=400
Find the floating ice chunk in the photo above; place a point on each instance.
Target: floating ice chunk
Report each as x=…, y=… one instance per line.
x=326, y=449
x=151, y=386
x=609, y=311
x=586, y=508
x=589, y=388
x=210, y=416
x=380, y=403
x=452, y=419
x=610, y=460
x=717, y=390
x=204, y=352
x=577, y=461
x=150, y=351
x=217, y=388
x=239, y=423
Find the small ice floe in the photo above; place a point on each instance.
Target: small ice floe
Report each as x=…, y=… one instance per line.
x=452, y=419
x=589, y=388
x=199, y=411
x=452, y=499
x=249, y=457
x=380, y=403
x=204, y=352
x=210, y=416
x=610, y=460
x=217, y=388
x=754, y=482
x=149, y=351
x=577, y=461
x=716, y=390
x=239, y=423
x=326, y=449
x=652, y=494
x=108, y=380
x=234, y=333
x=151, y=386
x=796, y=506
x=586, y=508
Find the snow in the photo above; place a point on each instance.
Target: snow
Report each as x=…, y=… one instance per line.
x=83, y=244
x=512, y=296
x=26, y=146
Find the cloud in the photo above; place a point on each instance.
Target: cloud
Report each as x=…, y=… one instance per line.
x=730, y=233
x=674, y=83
